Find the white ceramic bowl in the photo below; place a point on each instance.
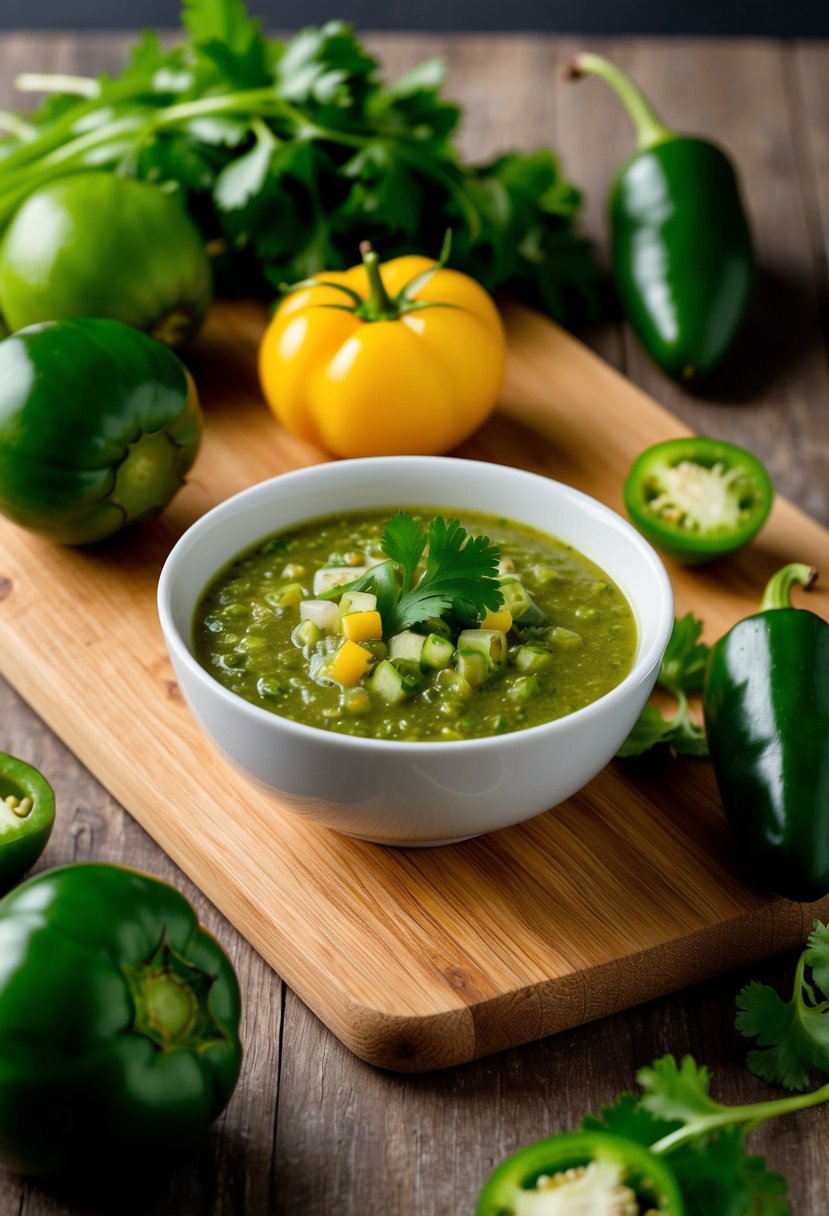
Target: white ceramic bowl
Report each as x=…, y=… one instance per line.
x=406, y=793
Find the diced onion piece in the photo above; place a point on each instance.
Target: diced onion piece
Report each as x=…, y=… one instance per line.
x=324, y=614
x=357, y=601
x=336, y=576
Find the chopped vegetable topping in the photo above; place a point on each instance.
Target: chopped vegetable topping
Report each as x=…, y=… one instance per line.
x=460, y=572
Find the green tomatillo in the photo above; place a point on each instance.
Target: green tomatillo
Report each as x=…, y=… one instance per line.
x=98, y=426
x=119, y=1024
x=27, y=815
x=98, y=245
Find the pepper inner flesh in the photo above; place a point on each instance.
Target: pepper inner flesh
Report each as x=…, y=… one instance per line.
x=699, y=498
x=597, y=1189
x=15, y=807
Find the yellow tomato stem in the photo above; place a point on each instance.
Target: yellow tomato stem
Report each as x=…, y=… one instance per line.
x=379, y=305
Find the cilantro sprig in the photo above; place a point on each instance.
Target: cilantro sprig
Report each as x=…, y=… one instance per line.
x=288, y=154
x=458, y=577
x=792, y=1036
x=703, y=1140
x=681, y=674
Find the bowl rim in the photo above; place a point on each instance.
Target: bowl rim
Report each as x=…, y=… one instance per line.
x=237, y=704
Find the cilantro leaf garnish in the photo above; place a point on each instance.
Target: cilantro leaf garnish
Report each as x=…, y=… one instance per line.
x=459, y=574
x=681, y=673
x=792, y=1036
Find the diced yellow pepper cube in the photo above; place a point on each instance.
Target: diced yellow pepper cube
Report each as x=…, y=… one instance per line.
x=350, y=663
x=500, y=620
x=362, y=626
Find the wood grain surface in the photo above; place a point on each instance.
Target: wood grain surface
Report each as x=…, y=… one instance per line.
x=417, y=959
x=311, y=1129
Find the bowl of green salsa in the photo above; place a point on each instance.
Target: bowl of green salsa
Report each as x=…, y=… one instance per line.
x=415, y=650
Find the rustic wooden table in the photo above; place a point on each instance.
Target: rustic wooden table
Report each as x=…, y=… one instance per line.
x=311, y=1129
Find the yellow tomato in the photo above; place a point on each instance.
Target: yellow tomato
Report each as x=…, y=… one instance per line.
x=385, y=372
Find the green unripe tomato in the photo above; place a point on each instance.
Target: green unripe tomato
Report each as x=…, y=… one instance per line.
x=97, y=245
x=98, y=426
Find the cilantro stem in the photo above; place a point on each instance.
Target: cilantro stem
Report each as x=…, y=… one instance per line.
x=59, y=82
x=33, y=163
x=755, y=1113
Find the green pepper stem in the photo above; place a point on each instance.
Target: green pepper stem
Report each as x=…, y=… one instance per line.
x=649, y=127
x=778, y=592
x=379, y=303
x=729, y=1116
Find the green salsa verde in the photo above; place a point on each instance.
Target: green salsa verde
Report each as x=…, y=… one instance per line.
x=269, y=627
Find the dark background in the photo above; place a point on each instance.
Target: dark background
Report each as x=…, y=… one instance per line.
x=776, y=18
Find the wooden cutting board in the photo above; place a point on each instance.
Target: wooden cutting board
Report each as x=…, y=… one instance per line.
x=416, y=959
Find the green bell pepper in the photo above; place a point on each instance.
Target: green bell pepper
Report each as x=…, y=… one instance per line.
x=98, y=426
x=682, y=251
x=119, y=1024
x=101, y=245
x=587, y=1173
x=27, y=815
x=766, y=707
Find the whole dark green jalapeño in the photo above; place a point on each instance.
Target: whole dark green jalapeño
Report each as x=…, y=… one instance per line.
x=682, y=253
x=766, y=705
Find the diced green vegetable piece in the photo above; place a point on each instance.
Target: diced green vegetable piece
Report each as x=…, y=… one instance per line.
x=436, y=625
x=306, y=634
x=586, y=613
x=472, y=665
x=491, y=643
x=377, y=647
x=357, y=601
x=406, y=645
x=521, y=604
x=523, y=688
x=387, y=682
x=531, y=658
x=437, y=653
x=562, y=639
x=453, y=685
x=413, y=678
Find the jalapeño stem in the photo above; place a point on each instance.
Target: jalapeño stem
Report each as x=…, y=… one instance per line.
x=778, y=592
x=649, y=127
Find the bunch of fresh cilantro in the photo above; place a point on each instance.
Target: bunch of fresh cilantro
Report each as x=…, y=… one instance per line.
x=290, y=154
x=704, y=1141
